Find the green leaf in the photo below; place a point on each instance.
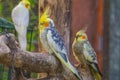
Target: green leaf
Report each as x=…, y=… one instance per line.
x=1, y=8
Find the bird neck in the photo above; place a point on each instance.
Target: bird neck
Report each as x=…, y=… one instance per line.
x=41, y=29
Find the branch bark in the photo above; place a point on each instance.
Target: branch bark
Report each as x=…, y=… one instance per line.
x=32, y=61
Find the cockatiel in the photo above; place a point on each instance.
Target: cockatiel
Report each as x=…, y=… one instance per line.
x=20, y=17
x=81, y=45
x=53, y=42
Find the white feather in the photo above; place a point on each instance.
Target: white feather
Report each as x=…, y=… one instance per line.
x=20, y=17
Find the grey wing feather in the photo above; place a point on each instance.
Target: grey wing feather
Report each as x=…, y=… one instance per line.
x=89, y=53
x=56, y=42
x=90, y=56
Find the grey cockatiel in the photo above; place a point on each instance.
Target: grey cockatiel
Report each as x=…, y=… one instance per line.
x=82, y=46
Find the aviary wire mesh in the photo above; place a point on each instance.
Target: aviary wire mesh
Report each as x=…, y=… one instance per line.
x=6, y=26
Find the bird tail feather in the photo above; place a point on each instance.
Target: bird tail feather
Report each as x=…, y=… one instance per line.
x=96, y=72
x=98, y=76
x=76, y=73
x=22, y=42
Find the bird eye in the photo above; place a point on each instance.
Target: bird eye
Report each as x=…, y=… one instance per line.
x=78, y=36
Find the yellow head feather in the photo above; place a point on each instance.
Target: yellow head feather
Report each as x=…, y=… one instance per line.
x=80, y=32
x=83, y=30
x=25, y=0
x=44, y=16
x=43, y=19
x=81, y=35
x=26, y=3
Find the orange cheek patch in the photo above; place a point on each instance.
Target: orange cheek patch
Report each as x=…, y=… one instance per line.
x=27, y=5
x=46, y=24
x=83, y=37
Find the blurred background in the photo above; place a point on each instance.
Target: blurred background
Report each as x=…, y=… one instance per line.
x=102, y=17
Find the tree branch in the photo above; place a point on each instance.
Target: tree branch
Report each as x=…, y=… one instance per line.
x=32, y=61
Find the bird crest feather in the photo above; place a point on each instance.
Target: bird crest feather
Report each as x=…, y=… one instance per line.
x=45, y=15
x=26, y=1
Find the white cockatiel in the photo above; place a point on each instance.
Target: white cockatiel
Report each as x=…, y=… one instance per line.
x=20, y=17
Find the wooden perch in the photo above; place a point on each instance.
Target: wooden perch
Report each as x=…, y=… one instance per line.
x=32, y=61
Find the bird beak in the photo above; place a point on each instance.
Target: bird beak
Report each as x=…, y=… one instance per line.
x=76, y=37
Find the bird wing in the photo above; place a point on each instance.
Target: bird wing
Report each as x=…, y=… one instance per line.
x=89, y=53
x=20, y=17
x=90, y=57
x=56, y=42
